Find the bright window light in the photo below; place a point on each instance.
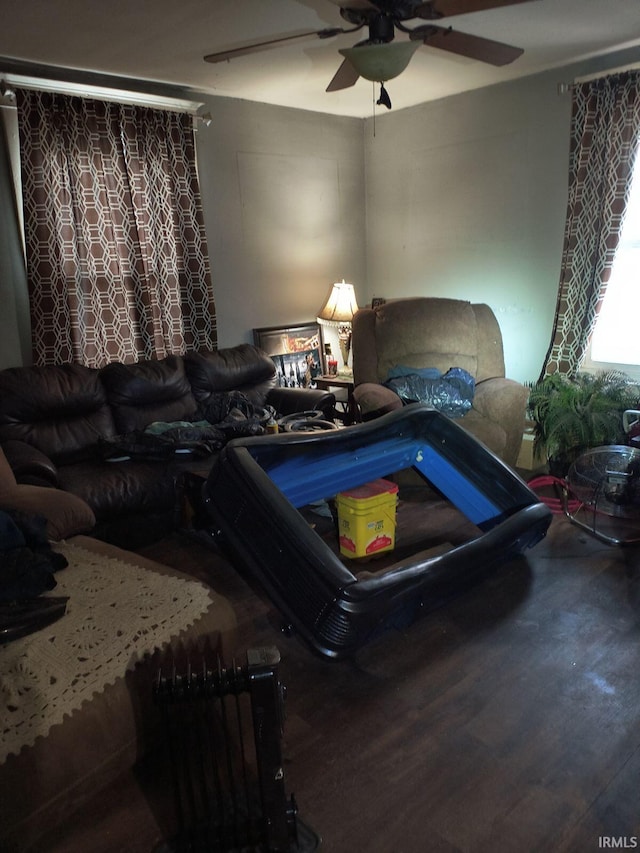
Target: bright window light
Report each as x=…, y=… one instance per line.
x=615, y=342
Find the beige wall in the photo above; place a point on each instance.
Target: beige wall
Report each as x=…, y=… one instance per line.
x=463, y=197
x=473, y=205
x=283, y=196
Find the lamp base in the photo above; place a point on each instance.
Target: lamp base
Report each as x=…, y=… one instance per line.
x=345, y=373
x=344, y=340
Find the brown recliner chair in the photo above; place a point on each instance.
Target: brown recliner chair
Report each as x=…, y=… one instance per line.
x=440, y=333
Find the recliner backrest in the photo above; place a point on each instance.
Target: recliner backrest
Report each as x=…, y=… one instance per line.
x=426, y=332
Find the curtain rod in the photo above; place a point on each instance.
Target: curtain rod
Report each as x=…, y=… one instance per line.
x=8, y=101
x=588, y=77
x=11, y=81
x=563, y=88
x=16, y=73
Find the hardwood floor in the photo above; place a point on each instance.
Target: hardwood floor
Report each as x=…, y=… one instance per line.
x=506, y=720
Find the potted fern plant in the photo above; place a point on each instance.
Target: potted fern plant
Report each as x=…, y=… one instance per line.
x=573, y=414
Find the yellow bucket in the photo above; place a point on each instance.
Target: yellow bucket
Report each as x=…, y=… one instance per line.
x=367, y=519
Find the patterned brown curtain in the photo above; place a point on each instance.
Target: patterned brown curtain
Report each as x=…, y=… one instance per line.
x=605, y=132
x=117, y=258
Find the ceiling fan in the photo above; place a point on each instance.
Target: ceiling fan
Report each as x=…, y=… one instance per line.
x=378, y=57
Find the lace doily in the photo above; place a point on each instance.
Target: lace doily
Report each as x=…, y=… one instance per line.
x=116, y=614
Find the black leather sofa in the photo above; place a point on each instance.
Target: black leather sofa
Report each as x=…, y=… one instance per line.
x=60, y=423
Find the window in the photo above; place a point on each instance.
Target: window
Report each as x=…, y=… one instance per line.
x=615, y=343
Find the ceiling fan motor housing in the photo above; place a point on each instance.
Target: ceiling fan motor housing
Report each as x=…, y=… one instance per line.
x=399, y=10
x=381, y=29
x=383, y=15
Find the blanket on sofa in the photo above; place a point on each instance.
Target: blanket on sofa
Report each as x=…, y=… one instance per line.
x=222, y=417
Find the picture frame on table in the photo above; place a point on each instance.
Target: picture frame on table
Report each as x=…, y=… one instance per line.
x=296, y=352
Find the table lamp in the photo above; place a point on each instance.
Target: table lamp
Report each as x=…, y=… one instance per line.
x=338, y=310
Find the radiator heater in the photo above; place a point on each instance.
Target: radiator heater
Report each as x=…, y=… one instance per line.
x=223, y=729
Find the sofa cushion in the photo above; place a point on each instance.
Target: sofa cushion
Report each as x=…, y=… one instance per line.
x=148, y=391
x=244, y=368
x=61, y=409
x=108, y=487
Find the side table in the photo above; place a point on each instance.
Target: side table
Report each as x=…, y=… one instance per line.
x=350, y=415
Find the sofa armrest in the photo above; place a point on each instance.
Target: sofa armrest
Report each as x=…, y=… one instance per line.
x=373, y=400
x=288, y=401
x=501, y=399
x=29, y=464
x=65, y=513
x=504, y=402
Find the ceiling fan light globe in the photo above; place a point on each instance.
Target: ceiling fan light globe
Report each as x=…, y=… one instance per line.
x=381, y=62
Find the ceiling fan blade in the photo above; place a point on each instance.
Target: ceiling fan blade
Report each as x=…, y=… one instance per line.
x=222, y=55
x=344, y=77
x=474, y=47
x=434, y=9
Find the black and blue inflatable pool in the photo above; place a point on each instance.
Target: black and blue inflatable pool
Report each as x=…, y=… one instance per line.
x=257, y=487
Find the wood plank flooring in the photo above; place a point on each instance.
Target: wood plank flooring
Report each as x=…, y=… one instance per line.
x=506, y=720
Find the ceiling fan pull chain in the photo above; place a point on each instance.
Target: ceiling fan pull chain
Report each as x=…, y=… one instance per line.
x=373, y=103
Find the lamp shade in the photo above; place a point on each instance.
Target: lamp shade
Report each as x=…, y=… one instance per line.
x=340, y=305
x=381, y=62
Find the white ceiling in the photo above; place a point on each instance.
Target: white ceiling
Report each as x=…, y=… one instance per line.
x=165, y=40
